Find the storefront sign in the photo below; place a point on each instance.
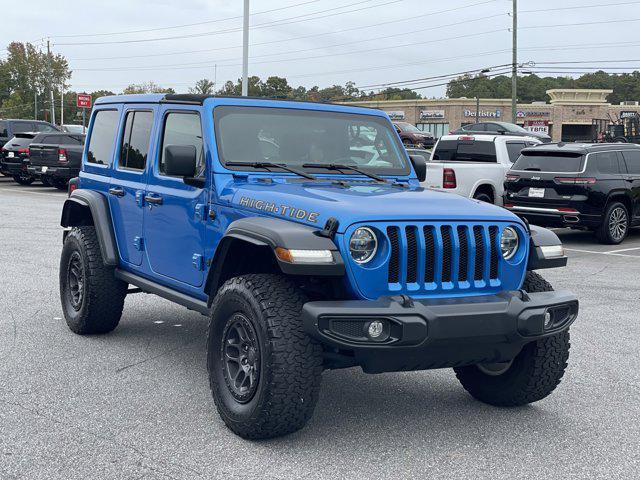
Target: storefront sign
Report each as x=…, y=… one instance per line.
x=396, y=115
x=431, y=114
x=628, y=114
x=484, y=113
x=532, y=113
x=537, y=126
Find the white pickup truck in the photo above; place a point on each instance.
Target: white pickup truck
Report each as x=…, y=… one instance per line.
x=474, y=165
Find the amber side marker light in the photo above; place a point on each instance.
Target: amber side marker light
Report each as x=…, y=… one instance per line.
x=304, y=256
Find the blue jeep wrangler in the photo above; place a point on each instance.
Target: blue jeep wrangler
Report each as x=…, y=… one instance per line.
x=302, y=232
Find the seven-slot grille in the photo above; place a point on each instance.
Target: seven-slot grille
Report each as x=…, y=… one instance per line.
x=443, y=254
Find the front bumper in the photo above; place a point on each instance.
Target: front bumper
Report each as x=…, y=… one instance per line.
x=436, y=333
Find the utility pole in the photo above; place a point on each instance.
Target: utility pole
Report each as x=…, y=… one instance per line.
x=61, y=105
x=53, y=107
x=35, y=104
x=245, y=50
x=514, y=64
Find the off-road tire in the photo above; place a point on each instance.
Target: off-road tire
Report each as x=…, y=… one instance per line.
x=535, y=372
x=290, y=362
x=99, y=308
x=24, y=179
x=603, y=232
x=46, y=181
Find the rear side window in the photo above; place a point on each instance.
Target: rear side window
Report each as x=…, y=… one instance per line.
x=103, y=134
x=19, y=127
x=632, y=159
x=3, y=129
x=514, y=149
x=465, y=151
x=182, y=129
x=135, y=141
x=550, y=162
x=607, y=162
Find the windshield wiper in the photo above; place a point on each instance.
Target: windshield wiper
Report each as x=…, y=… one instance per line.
x=339, y=166
x=268, y=165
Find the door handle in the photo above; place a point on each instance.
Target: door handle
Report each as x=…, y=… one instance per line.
x=153, y=199
x=117, y=191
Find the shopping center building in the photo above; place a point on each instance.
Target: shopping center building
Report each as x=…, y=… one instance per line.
x=568, y=116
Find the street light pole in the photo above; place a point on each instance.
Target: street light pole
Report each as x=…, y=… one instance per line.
x=514, y=65
x=245, y=50
x=53, y=106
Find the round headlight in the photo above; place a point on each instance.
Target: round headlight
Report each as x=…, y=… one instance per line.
x=363, y=245
x=509, y=243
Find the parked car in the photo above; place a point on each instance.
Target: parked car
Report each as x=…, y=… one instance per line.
x=413, y=136
x=14, y=155
x=56, y=158
x=305, y=262
x=71, y=128
x=501, y=128
x=9, y=127
x=592, y=186
x=474, y=166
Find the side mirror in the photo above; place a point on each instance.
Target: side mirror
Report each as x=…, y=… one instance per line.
x=181, y=161
x=420, y=166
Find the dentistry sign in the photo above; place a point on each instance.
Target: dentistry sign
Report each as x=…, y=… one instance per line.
x=497, y=113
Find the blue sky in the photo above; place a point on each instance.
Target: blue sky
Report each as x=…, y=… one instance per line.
x=321, y=42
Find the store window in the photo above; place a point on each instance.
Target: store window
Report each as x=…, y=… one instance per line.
x=437, y=129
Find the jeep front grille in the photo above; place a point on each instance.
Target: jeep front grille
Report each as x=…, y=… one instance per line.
x=443, y=256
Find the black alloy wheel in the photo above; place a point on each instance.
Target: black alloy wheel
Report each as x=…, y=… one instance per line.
x=240, y=352
x=75, y=280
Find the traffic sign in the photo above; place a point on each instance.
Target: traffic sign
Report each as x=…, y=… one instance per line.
x=83, y=100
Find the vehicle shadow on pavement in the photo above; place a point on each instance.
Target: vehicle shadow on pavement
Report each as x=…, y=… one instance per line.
x=581, y=238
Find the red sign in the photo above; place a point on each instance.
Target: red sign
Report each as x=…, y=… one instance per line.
x=83, y=100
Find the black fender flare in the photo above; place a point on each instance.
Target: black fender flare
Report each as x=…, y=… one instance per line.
x=273, y=233
x=88, y=207
x=543, y=237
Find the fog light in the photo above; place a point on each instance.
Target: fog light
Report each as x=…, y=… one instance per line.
x=548, y=320
x=376, y=329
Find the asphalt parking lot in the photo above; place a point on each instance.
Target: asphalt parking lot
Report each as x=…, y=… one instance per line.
x=136, y=403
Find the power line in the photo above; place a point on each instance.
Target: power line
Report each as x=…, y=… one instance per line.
x=578, y=24
x=324, y=34
x=207, y=22
x=354, y=42
x=211, y=63
x=275, y=23
x=579, y=7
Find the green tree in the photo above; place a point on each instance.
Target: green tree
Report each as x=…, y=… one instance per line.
x=203, y=87
x=27, y=72
x=148, y=87
x=276, y=87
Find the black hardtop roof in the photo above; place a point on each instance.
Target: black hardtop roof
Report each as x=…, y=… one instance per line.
x=579, y=148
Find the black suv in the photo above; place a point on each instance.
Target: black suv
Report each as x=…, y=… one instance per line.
x=592, y=186
x=9, y=127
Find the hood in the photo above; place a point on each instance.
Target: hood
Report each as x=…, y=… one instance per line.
x=313, y=203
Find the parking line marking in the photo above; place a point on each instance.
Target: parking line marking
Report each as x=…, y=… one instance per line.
x=623, y=250
x=610, y=254
x=48, y=194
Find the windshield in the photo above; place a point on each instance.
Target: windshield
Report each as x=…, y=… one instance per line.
x=549, y=162
x=407, y=127
x=297, y=137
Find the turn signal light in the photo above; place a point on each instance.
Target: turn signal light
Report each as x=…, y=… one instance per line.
x=575, y=180
x=449, y=178
x=23, y=150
